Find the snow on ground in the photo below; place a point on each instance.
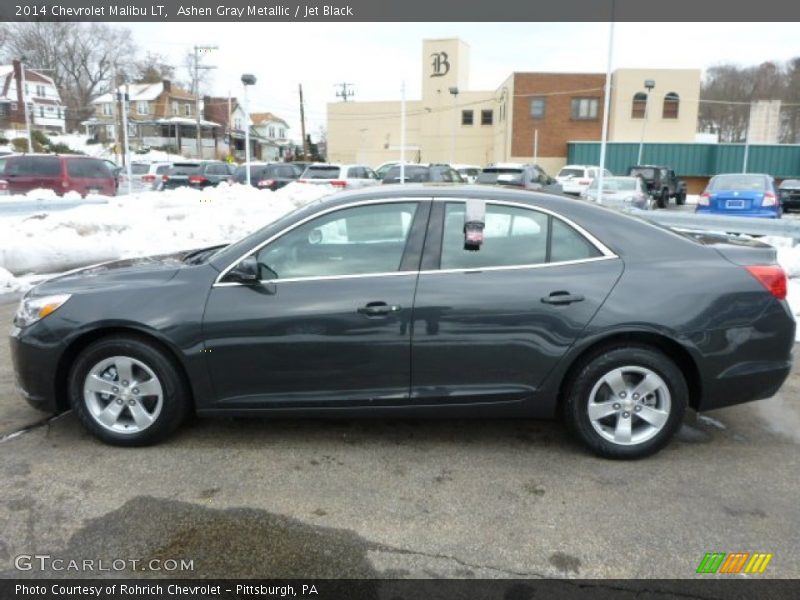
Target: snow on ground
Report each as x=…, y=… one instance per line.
x=139, y=225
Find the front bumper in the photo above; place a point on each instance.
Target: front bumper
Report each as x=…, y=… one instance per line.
x=34, y=369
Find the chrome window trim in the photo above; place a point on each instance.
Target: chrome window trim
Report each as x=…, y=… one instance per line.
x=606, y=253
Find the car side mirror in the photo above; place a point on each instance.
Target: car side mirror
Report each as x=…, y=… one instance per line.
x=245, y=271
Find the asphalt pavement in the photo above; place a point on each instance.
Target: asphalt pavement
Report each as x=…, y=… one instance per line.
x=399, y=498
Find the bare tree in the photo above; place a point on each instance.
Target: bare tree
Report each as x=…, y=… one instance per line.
x=83, y=58
x=151, y=68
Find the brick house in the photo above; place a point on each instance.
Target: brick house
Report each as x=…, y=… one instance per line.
x=44, y=101
x=160, y=115
x=233, y=120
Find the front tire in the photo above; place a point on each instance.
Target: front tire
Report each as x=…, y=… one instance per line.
x=127, y=392
x=680, y=199
x=625, y=402
x=663, y=199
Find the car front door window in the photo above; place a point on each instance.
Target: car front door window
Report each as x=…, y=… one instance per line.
x=361, y=240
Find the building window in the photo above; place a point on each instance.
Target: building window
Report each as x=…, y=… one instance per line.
x=40, y=91
x=60, y=114
x=187, y=109
x=671, y=103
x=13, y=106
x=111, y=132
x=237, y=123
x=41, y=111
x=584, y=108
x=466, y=117
x=639, y=105
x=108, y=109
x=271, y=132
x=486, y=117
x=143, y=107
x=537, y=107
x=176, y=109
x=281, y=133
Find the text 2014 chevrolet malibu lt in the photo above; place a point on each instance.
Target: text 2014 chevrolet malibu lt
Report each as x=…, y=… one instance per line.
x=414, y=301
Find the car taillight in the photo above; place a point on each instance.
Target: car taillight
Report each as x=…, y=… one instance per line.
x=3, y=186
x=704, y=199
x=148, y=178
x=338, y=183
x=165, y=178
x=197, y=179
x=64, y=183
x=771, y=277
x=265, y=182
x=769, y=199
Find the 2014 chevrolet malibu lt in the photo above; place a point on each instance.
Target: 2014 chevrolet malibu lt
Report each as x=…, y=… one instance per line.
x=417, y=300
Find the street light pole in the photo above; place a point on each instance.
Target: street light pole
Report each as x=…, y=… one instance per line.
x=649, y=84
x=606, y=108
x=247, y=80
x=454, y=92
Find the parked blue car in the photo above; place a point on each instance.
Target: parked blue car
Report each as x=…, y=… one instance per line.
x=742, y=194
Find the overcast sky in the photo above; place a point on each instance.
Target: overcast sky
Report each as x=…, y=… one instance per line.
x=377, y=57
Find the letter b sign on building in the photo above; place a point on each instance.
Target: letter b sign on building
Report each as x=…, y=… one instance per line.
x=440, y=64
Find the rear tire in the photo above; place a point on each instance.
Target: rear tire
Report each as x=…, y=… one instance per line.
x=625, y=402
x=663, y=199
x=680, y=199
x=127, y=392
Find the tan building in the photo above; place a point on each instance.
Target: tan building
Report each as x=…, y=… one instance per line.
x=529, y=117
x=667, y=114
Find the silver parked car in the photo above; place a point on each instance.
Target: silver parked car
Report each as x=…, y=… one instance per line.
x=621, y=192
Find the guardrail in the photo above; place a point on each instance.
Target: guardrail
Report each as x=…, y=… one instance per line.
x=788, y=228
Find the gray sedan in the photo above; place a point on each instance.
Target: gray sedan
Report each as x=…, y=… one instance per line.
x=621, y=193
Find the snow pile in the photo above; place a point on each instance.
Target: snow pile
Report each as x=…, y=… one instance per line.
x=143, y=224
x=9, y=283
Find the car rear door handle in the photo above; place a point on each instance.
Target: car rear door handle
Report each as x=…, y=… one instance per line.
x=562, y=298
x=378, y=309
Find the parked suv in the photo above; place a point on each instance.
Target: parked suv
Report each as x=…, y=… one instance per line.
x=662, y=183
x=576, y=179
x=60, y=173
x=145, y=176
x=339, y=176
x=198, y=174
x=790, y=194
x=423, y=174
x=267, y=176
x=524, y=176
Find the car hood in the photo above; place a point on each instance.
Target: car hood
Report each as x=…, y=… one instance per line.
x=115, y=274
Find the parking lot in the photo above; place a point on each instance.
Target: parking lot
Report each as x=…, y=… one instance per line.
x=399, y=498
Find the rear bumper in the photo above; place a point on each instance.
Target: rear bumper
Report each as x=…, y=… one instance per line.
x=746, y=382
x=763, y=214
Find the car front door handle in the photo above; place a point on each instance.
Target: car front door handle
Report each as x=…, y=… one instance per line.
x=562, y=298
x=378, y=309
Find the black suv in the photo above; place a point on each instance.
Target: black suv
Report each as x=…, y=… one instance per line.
x=267, y=176
x=662, y=183
x=198, y=174
x=524, y=176
x=424, y=174
x=789, y=192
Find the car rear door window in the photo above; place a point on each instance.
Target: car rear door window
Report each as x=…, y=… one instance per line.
x=321, y=173
x=352, y=241
x=513, y=236
x=88, y=169
x=140, y=168
x=35, y=166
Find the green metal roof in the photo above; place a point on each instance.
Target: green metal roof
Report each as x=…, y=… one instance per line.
x=692, y=160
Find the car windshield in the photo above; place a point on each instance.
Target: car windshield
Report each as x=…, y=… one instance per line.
x=570, y=173
x=738, y=183
x=139, y=168
x=184, y=169
x=87, y=168
x=412, y=174
x=321, y=172
x=615, y=184
x=512, y=176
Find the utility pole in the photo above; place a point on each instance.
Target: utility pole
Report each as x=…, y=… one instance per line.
x=126, y=157
x=303, y=124
x=230, y=125
x=344, y=93
x=606, y=99
x=117, y=116
x=197, y=67
x=403, y=132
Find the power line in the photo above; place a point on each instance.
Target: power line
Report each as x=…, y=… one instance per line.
x=344, y=93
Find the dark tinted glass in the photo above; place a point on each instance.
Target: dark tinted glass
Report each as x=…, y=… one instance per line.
x=321, y=173
x=412, y=174
x=88, y=168
x=568, y=244
x=184, y=169
x=34, y=166
x=139, y=168
x=509, y=176
x=742, y=183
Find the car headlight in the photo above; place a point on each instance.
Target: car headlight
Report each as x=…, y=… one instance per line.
x=33, y=309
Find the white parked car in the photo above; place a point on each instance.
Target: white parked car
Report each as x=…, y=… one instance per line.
x=468, y=172
x=145, y=176
x=339, y=176
x=575, y=179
